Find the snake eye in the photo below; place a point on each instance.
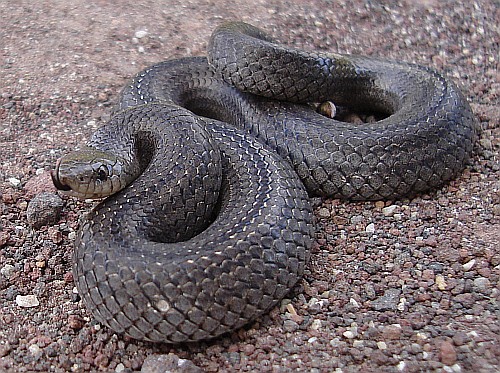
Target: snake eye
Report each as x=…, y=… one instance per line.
x=102, y=174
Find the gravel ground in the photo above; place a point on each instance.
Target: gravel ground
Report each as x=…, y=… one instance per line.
x=401, y=286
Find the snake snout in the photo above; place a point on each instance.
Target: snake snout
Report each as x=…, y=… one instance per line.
x=54, y=174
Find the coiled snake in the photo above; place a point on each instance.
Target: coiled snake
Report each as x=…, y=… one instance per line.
x=209, y=224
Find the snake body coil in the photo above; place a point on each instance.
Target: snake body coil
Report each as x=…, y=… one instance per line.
x=214, y=225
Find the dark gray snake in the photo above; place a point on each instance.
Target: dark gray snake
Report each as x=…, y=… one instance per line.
x=214, y=226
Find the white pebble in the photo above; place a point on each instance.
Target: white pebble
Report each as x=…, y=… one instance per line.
x=402, y=304
x=14, y=181
x=401, y=366
x=140, y=34
x=353, y=303
x=7, y=270
x=358, y=343
x=27, y=301
x=316, y=324
x=312, y=339
x=34, y=349
x=382, y=345
x=349, y=334
x=389, y=210
x=467, y=266
x=119, y=368
x=370, y=228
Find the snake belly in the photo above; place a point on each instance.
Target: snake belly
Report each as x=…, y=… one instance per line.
x=215, y=225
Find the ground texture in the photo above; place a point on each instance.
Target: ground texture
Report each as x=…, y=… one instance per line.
x=404, y=286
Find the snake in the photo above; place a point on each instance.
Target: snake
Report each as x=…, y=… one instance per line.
x=206, y=170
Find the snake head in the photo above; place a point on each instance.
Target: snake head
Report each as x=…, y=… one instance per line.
x=90, y=173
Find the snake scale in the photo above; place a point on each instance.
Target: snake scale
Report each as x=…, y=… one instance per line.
x=210, y=163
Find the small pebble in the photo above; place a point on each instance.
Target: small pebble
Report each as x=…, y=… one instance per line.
x=482, y=285
x=44, y=209
x=290, y=326
x=5, y=348
x=34, y=349
x=392, y=332
x=27, y=301
x=168, y=363
x=14, y=181
x=350, y=334
x=468, y=266
x=370, y=228
x=389, y=210
x=7, y=270
x=389, y=301
x=382, y=345
x=447, y=353
x=324, y=212
x=140, y=34
x=312, y=339
x=440, y=282
x=316, y=324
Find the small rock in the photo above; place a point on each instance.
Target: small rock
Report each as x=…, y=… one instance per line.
x=382, y=345
x=324, y=212
x=370, y=228
x=447, y=353
x=461, y=338
x=34, y=349
x=5, y=348
x=316, y=324
x=482, y=285
x=4, y=238
x=327, y=109
x=7, y=270
x=392, y=332
x=290, y=326
x=44, y=209
x=496, y=209
x=312, y=339
x=468, y=266
x=353, y=303
x=168, y=363
x=486, y=143
x=27, y=301
x=14, y=181
x=349, y=334
x=75, y=322
x=140, y=34
x=389, y=210
x=440, y=282
x=315, y=305
x=39, y=184
x=356, y=219
x=388, y=301
x=119, y=368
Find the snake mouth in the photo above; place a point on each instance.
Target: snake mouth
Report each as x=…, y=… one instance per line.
x=54, y=174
